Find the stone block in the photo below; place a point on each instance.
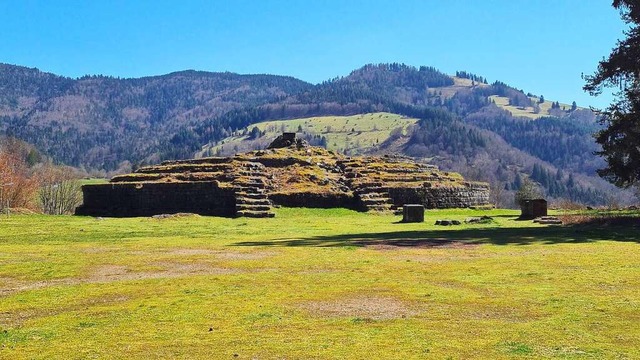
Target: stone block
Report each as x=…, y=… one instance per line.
x=531, y=209
x=447, y=222
x=412, y=213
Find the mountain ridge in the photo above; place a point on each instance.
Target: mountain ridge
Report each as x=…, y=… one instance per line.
x=99, y=122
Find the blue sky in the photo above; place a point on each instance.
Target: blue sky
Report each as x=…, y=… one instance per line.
x=539, y=46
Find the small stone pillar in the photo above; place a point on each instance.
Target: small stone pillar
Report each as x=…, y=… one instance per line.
x=412, y=213
x=532, y=209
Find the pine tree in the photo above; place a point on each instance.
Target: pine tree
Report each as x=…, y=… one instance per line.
x=622, y=118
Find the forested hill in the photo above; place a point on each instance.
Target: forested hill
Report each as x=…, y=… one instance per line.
x=99, y=122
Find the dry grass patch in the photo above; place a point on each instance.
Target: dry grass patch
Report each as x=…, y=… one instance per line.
x=112, y=273
x=362, y=307
x=398, y=244
x=225, y=255
x=18, y=318
x=191, y=252
x=600, y=220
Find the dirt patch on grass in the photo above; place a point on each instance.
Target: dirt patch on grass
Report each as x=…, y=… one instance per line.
x=111, y=273
x=12, y=286
x=503, y=313
x=232, y=255
x=95, y=250
x=362, y=307
x=398, y=244
x=225, y=255
x=18, y=318
x=189, y=252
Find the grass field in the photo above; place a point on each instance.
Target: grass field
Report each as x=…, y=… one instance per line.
x=316, y=284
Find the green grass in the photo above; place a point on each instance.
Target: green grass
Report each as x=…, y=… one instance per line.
x=93, y=181
x=354, y=134
x=316, y=284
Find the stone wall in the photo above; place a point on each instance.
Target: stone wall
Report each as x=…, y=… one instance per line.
x=147, y=199
x=471, y=194
x=314, y=200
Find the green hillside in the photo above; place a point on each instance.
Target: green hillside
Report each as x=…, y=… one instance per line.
x=345, y=134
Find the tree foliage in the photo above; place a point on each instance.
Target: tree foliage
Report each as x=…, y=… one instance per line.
x=529, y=190
x=621, y=70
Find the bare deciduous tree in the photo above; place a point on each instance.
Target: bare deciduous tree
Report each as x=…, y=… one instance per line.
x=59, y=191
x=498, y=194
x=17, y=188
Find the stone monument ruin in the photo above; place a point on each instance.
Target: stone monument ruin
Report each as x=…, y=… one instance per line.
x=531, y=209
x=289, y=173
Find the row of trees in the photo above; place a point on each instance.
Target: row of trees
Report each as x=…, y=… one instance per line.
x=470, y=76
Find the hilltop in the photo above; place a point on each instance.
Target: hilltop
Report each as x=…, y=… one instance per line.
x=486, y=131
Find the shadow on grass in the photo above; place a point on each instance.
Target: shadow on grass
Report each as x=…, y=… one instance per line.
x=436, y=238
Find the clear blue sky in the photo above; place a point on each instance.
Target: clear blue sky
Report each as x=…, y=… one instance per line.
x=540, y=46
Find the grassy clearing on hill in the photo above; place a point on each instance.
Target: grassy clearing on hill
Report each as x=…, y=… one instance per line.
x=354, y=134
x=319, y=284
x=528, y=111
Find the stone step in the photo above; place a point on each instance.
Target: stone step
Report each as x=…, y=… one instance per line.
x=368, y=190
x=373, y=195
x=376, y=201
x=251, y=207
x=255, y=214
x=251, y=173
x=253, y=184
x=249, y=195
x=411, y=178
x=253, y=201
x=368, y=184
x=380, y=208
x=250, y=182
x=248, y=189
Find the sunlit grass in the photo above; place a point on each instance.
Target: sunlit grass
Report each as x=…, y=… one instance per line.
x=316, y=284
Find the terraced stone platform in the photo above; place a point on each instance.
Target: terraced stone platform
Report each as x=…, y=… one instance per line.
x=250, y=184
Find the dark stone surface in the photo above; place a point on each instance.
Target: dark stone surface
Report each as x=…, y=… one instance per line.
x=471, y=194
x=478, y=219
x=531, y=209
x=286, y=140
x=412, y=213
x=148, y=199
x=447, y=222
x=312, y=200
